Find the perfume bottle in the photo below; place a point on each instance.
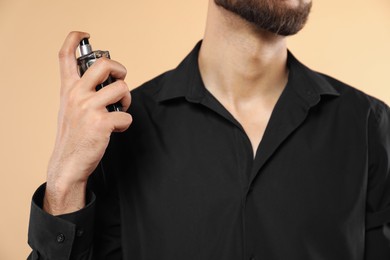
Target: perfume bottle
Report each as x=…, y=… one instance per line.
x=86, y=59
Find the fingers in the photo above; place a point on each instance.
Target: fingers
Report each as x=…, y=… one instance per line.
x=67, y=56
x=110, y=94
x=120, y=121
x=100, y=71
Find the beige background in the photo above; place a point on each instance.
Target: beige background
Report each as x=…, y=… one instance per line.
x=348, y=39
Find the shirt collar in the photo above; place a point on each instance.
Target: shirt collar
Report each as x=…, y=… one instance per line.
x=185, y=81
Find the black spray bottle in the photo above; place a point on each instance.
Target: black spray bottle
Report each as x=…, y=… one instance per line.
x=86, y=59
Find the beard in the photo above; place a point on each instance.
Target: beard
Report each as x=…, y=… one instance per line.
x=275, y=16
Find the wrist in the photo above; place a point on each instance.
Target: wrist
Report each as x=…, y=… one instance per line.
x=62, y=198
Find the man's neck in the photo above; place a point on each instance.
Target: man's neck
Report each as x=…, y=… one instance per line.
x=240, y=63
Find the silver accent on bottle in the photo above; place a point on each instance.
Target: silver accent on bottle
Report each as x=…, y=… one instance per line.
x=85, y=49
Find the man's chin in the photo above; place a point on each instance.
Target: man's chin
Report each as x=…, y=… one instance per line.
x=275, y=16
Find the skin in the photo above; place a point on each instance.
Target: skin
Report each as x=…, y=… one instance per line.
x=253, y=73
x=243, y=66
x=84, y=126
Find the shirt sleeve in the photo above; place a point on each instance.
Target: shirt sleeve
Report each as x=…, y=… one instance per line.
x=93, y=232
x=378, y=188
x=67, y=236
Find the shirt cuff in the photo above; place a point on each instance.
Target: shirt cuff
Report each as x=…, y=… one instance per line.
x=63, y=236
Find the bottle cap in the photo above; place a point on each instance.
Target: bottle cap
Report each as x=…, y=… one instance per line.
x=84, y=41
x=85, y=48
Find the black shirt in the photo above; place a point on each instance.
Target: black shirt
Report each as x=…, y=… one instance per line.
x=182, y=183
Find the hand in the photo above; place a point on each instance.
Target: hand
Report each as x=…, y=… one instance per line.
x=84, y=126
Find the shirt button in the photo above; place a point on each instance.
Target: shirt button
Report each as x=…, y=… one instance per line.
x=79, y=232
x=60, y=238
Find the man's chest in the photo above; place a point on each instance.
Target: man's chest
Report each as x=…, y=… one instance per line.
x=186, y=182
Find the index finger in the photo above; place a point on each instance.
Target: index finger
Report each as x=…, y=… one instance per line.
x=67, y=55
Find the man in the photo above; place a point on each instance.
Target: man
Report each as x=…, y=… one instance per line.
x=241, y=152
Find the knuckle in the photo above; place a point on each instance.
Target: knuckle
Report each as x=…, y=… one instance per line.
x=72, y=94
x=102, y=65
x=126, y=100
x=123, y=86
x=64, y=93
x=100, y=121
x=72, y=97
x=130, y=119
x=66, y=49
x=103, y=62
x=73, y=33
x=64, y=53
x=84, y=105
x=124, y=70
